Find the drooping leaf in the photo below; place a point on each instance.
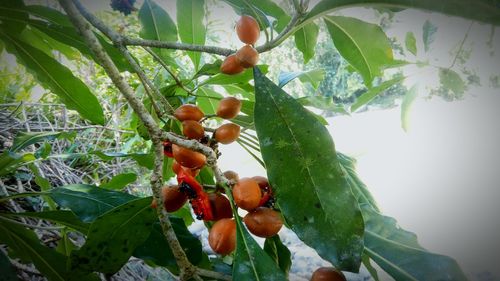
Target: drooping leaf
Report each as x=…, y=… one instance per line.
x=429, y=30
x=411, y=43
x=157, y=250
x=250, y=261
x=364, y=45
x=314, y=77
x=59, y=79
x=306, y=39
x=120, y=181
x=394, y=249
x=87, y=201
x=190, y=16
x=479, y=10
x=279, y=253
x=303, y=169
x=113, y=237
x=24, y=139
x=156, y=24
x=66, y=218
x=406, y=107
x=372, y=93
x=8, y=271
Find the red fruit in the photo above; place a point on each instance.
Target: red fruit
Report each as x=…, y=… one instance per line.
x=327, y=274
x=221, y=208
x=188, y=158
x=248, y=29
x=246, y=194
x=222, y=236
x=231, y=65
x=227, y=133
x=173, y=198
x=263, y=222
x=192, y=129
x=176, y=167
x=228, y=107
x=188, y=112
x=248, y=56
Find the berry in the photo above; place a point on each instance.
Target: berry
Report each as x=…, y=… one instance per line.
x=248, y=56
x=173, y=198
x=227, y=133
x=228, y=108
x=246, y=194
x=188, y=158
x=248, y=29
x=188, y=112
x=221, y=208
x=222, y=236
x=192, y=129
x=327, y=274
x=231, y=65
x=263, y=222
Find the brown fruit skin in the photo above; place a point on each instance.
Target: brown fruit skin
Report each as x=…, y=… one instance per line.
x=231, y=175
x=173, y=198
x=188, y=112
x=327, y=274
x=246, y=194
x=221, y=208
x=228, y=107
x=192, y=129
x=248, y=29
x=188, y=158
x=222, y=236
x=263, y=222
x=248, y=56
x=261, y=181
x=176, y=167
x=231, y=65
x=227, y=133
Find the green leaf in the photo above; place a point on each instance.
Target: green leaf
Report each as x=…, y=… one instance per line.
x=9, y=161
x=306, y=39
x=209, y=69
x=71, y=90
x=8, y=271
x=323, y=103
x=279, y=253
x=66, y=218
x=398, y=253
x=156, y=24
x=87, y=201
x=145, y=160
x=372, y=270
x=406, y=107
x=11, y=14
x=372, y=93
x=480, y=10
x=208, y=100
x=190, y=16
x=429, y=30
x=272, y=9
x=224, y=79
x=250, y=261
x=394, y=249
x=65, y=246
x=303, y=169
x=113, y=237
x=120, y=181
x=314, y=77
x=364, y=45
x=24, y=139
x=411, y=43
x=452, y=81
x=157, y=250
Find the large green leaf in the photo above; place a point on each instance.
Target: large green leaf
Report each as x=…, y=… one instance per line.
x=11, y=14
x=25, y=245
x=87, y=201
x=303, y=169
x=120, y=181
x=156, y=24
x=66, y=218
x=190, y=16
x=313, y=77
x=250, y=261
x=364, y=45
x=113, y=237
x=306, y=40
x=480, y=10
x=208, y=100
x=8, y=271
x=56, y=77
x=394, y=249
x=23, y=139
x=279, y=253
x=157, y=250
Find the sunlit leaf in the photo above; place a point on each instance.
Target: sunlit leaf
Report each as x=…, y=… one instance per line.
x=411, y=43
x=306, y=40
x=190, y=16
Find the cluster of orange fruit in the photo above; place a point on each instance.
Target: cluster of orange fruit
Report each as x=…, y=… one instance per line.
x=247, y=56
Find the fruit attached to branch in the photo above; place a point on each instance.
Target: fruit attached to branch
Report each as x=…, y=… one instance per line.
x=222, y=236
x=248, y=29
x=228, y=107
x=227, y=133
